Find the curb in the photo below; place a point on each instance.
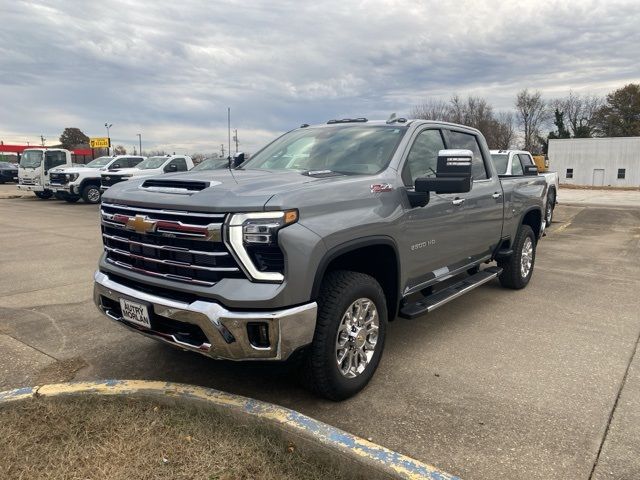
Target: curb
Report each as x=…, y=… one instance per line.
x=335, y=445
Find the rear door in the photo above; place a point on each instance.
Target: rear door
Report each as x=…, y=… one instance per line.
x=481, y=209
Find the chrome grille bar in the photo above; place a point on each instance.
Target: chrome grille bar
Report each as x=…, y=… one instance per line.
x=168, y=248
x=165, y=212
x=173, y=263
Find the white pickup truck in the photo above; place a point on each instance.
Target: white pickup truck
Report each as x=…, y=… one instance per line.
x=84, y=182
x=150, y=166
x=514, y=162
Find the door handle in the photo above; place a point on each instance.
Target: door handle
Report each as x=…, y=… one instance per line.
x=458, y=201
x=496, y=195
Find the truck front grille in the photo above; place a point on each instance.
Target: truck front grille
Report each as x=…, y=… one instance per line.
x=180, y=246
x=111, y=179
x=57, y=178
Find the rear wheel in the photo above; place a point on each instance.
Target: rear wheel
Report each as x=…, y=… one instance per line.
x=551, y=205
x=91, y=194
x=44, y=195
x=518, y=268
x=349, y=337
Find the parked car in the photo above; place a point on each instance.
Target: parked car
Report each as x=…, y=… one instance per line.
x=8, y=172
x=315, y=243
x=149, y=167
x=35, y=167
x=212, y=163
x=84, y=181
x=515, y=162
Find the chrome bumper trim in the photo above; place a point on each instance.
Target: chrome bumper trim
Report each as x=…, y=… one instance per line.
x=226, y=331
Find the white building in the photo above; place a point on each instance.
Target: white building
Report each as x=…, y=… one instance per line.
x=611, y=161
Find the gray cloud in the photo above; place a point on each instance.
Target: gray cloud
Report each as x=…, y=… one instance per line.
x=170, y=69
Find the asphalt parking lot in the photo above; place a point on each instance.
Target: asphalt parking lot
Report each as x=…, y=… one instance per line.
x=538, y=383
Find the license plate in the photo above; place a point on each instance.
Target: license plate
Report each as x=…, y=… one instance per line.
x=135, y=313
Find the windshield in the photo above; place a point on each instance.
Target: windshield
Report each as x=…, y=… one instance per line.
x=212, y=164
x=99, y=162
x=31, y=159
x=349, y=149
x=500, y=161
x=152, y=162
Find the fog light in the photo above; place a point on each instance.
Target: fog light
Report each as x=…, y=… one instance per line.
x=258, y=334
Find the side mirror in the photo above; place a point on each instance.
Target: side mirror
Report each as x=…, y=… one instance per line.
x=238, y=159
x=531, y=170
x=113, y=167
x=453, y=173
x=172, y=167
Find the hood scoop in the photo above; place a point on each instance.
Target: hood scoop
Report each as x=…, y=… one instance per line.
x=180, y=187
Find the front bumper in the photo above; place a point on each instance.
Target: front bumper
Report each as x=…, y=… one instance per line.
x=31, y=188
x=226, y=331
x=66, y=188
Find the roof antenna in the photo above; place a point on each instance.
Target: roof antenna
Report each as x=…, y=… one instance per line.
x=392, y=118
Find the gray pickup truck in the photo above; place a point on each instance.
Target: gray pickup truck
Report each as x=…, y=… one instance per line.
x=315, y=243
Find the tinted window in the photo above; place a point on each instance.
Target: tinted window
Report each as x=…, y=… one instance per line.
x=422, y=160
x=181, y=163
x=133, y=161
x=525, y=159
x=621, y=173
x=569, y=173
x=467, y=141
x=516, y=166
x=53, y=159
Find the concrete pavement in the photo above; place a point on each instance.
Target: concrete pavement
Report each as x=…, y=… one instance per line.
x=532, y=384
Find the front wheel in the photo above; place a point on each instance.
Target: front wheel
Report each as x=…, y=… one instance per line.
x=91, y=194
x=518, y=268
x=349, y=337
x=44, y=195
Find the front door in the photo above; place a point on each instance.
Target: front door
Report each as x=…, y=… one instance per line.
x=598, y=177
x=482, y=208
x=429, y=240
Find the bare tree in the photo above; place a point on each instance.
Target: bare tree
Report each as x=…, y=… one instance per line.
x=119, y=150
x=505, y=131
x=532, y=114
x=431, y=109
x=579, y=112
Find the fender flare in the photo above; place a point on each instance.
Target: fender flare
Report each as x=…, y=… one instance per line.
x=350, y=246
x=526, y=211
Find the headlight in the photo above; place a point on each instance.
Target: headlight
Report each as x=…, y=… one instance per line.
x=71, y=177
x=260, y=229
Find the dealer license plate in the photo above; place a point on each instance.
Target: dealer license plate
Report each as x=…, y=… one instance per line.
x=135, y=313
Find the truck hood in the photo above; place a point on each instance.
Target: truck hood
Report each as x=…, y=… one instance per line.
x=229, y=191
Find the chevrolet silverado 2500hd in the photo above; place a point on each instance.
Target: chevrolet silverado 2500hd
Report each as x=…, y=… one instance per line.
x=315, y=243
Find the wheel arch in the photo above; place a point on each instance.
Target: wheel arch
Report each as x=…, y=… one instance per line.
x=533, y=218
x=356, y=255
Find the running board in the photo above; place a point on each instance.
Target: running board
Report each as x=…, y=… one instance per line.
x=430, y=303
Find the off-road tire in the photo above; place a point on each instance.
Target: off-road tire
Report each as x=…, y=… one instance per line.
x=339, y=290
x=44, y=195
x=88, y=194
x=511, y=276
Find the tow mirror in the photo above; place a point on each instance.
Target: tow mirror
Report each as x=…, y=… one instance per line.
x=531, y=170
x=453, y=173
x=172, y=167
x=238, y=159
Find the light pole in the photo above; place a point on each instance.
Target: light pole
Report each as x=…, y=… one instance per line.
x=108, y=126
x=140, y=143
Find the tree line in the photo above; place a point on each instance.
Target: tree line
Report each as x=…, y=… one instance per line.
x=535, y=119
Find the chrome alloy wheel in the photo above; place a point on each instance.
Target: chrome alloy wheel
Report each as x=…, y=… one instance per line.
x=94, y=195
x=357, y=337
x=526, y=258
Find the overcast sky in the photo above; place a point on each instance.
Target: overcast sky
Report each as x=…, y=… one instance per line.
x=169, y=69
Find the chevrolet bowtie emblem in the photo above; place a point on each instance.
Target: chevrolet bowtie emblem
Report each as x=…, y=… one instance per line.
x=141, y=224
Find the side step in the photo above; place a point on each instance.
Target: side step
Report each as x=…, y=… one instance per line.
x=430, y=303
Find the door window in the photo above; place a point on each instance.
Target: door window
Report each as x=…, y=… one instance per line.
x=467, y=141
x=525, y=159
x=516, y=165
x=422, y=160
x=53, y=159
x=181, y=163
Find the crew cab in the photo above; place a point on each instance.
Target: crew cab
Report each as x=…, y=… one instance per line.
x=313, y=245
x=35, y=167
x=149, y=167
x=84, y=181
x=515, y=162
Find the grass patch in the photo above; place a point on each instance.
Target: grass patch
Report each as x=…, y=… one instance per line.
x=116, y=438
